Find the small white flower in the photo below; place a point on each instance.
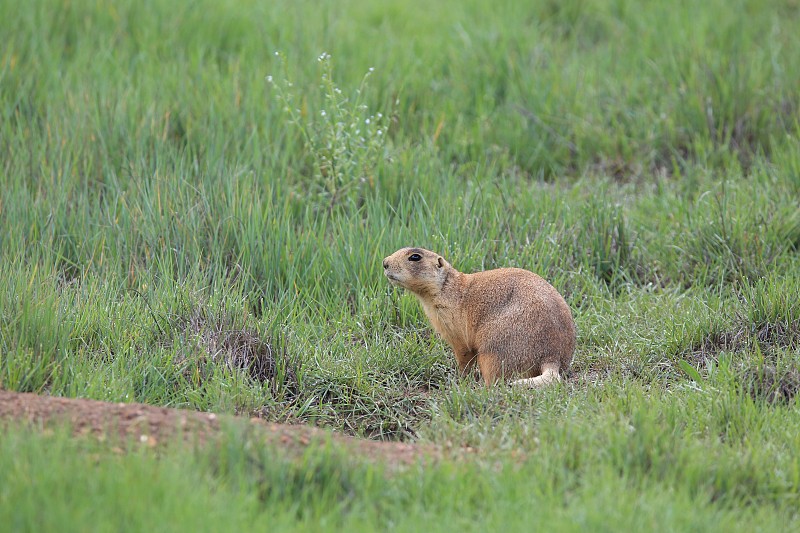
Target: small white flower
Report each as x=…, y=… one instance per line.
x=380, y=115
x=323, y=113
x=366, y=120
x=269, y=79
x=371, y=69
x=380, y=132
x=277, y=54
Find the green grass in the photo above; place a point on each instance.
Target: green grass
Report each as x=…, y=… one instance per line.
x=634, y=460
x=157, y=202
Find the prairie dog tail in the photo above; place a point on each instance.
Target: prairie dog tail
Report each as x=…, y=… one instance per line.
x=549, y=375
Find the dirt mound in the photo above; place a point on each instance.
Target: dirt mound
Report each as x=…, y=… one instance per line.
x=156, y=425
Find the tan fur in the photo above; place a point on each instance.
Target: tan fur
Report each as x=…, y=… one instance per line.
x=508, y=321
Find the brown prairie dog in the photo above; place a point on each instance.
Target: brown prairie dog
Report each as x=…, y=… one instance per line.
x=508, y=321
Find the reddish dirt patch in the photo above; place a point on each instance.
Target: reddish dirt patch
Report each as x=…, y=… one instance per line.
x=155, y=425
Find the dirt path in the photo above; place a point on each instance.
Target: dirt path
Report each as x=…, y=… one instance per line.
x=154, y=425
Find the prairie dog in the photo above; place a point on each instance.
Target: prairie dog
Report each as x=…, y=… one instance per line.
x=508, y=321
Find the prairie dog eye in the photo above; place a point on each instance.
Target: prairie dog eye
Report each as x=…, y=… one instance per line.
x=414, y=257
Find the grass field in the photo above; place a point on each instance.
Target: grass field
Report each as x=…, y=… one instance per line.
x=195, y=198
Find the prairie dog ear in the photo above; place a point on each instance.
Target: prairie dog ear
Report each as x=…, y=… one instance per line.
x=440, y=262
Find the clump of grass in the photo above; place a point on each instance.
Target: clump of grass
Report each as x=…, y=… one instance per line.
x=764, y=322
x=33, y=333
x=714, y=343
x=772, y=310
x=770, y=384
x=727, y=241
x=605, y=244
x=345, y=142
x=208, y=339
x=391, y=410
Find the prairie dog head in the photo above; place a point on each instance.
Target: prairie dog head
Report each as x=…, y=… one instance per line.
x=417, y=269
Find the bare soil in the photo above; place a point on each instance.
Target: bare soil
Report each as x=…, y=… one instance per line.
x=153, y=426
